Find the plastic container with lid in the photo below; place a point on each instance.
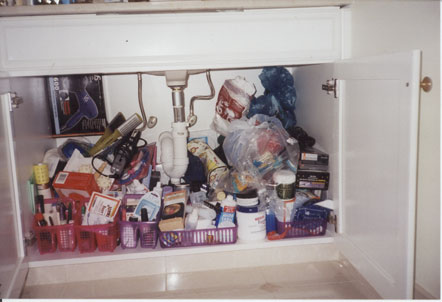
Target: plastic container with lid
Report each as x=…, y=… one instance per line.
x=285, y=183
x=247, y=199
x=250, y=216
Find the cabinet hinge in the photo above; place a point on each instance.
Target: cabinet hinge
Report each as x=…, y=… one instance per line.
x=333, y=219
x=331, y=87
x=29, y=238
x=15, y=101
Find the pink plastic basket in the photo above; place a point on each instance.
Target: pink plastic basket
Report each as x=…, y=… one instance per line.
x=51, y=237
x=46, y=238
x=102, y=236
x=303, y=228
x=202, y=237
x=66, y=241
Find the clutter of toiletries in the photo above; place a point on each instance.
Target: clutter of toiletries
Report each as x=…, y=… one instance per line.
x=267, y=179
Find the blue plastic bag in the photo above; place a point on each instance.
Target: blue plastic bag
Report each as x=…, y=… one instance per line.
x=279, y=98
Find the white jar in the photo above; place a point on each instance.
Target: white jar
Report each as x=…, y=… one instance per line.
x=251, y=223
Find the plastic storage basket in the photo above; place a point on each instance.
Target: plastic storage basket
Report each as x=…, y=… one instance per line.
x=46, y=238
x=102, y=236
x=202, y=237
x=302, y=228
x=145, y=231
x=51, y=237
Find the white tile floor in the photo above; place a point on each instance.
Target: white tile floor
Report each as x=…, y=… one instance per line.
x=315, y=280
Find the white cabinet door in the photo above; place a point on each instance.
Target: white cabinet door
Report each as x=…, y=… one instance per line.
x=13, y=268
x=380, y=103
x=373, y=160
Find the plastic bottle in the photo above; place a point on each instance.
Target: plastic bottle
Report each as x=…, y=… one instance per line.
x=265, y=201
x=206, y=213
x=227, y=203
x=166, y=190
x=158, y=189
x=285, y=183
x=228, y=209
x=251, y=217
x=192, y=219
x=197, y=196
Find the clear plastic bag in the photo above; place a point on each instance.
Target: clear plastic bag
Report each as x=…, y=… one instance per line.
x=260, y=146
x=235, y=182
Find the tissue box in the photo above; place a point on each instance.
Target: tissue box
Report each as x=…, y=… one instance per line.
x=75, y=185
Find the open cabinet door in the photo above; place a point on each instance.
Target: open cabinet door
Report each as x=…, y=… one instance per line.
x=13, y=268
x=379, y=116
x=370, y=131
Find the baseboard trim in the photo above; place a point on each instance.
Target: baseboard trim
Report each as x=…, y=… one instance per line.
x=422, y=293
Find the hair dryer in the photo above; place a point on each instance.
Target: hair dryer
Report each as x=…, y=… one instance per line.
x=86, y=108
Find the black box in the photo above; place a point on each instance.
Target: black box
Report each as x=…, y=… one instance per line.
x=313, y=159
x=77, y=105
x=315, y=180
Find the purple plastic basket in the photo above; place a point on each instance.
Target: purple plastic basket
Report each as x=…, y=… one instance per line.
x=145, y=231
x=184, y=238
x=303, y=228
x=128, y=234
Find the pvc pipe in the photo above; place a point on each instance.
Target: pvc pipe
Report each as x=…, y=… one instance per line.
x=174, y=151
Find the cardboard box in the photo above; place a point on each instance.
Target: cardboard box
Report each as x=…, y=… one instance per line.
x=172, y=216
x=314, y=180
x=77, y=105
x=75, y=185
x=313, y=159
x=102, y=209
x=171, y=224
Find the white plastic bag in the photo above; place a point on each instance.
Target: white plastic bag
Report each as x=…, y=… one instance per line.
x=233, y=100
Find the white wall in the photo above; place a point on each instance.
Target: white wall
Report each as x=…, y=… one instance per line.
x=389, y=26
x=121, y=94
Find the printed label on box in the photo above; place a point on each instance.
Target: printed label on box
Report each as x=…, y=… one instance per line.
x=61, y=179
x=77, y=104
x=309, y=156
